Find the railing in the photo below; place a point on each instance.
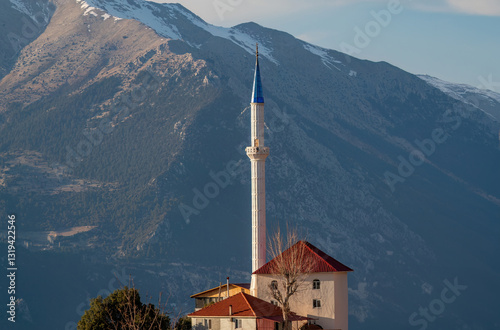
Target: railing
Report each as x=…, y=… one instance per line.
x=257, y=150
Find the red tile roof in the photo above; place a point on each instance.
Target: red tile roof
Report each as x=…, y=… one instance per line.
x=244, y=305
x=322, y=262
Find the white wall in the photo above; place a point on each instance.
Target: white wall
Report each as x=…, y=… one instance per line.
x=223, y=324
x=333, y=312
x=248, y=323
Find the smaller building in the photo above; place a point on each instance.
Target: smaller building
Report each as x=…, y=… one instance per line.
x=241, y=311
x=205, y=298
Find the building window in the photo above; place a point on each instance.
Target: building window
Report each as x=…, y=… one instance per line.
x=274, y=302
x=237, y=324
x=208, y=324
x=274, y=285
x=316, y=284
x=316, y=303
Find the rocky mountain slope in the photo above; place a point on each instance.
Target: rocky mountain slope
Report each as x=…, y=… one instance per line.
x=133, y=116
x=484, y=99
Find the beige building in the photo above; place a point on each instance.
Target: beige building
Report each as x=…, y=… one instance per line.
x=323, y=293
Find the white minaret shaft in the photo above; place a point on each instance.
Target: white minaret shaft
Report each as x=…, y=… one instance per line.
x=258, y=153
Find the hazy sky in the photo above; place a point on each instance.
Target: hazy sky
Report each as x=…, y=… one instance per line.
x=455, y=40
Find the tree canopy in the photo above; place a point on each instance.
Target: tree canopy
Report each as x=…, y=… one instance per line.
x=184, y=323
x=123, y=310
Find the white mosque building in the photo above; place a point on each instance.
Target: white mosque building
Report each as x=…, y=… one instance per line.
x=322, y=301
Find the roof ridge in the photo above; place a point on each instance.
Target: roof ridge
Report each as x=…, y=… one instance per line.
x=322, y=259
x=328, y=264
x=249, y=305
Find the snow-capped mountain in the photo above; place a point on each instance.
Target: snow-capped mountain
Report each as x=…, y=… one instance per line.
x=130, y=109
x=165, y=18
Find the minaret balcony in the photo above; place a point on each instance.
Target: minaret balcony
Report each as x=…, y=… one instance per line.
x=257, y=152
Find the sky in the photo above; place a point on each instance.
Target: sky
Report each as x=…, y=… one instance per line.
x=454, y=40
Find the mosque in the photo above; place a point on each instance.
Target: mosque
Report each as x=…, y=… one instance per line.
x=321, y=302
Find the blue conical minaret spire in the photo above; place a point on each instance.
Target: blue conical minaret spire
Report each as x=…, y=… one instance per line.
x=257, y=95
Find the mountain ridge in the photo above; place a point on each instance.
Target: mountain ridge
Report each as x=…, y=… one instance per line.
x=180, y=116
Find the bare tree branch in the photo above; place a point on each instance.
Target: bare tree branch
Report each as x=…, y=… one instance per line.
x=291, y=265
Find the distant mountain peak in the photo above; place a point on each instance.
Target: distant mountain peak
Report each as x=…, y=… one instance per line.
x=149, y=13
x=163, y=19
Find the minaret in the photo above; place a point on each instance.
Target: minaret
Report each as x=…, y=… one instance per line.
x=258, y=154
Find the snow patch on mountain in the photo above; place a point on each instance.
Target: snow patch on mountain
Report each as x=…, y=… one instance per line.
x=143, y=12
x=483, y=99
x=242, y=39
x=161, y=17
x=21, y=7
x=457, y=91
x=37, y=15
x=235, y=34
x=91, y=10
x=327, y=60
